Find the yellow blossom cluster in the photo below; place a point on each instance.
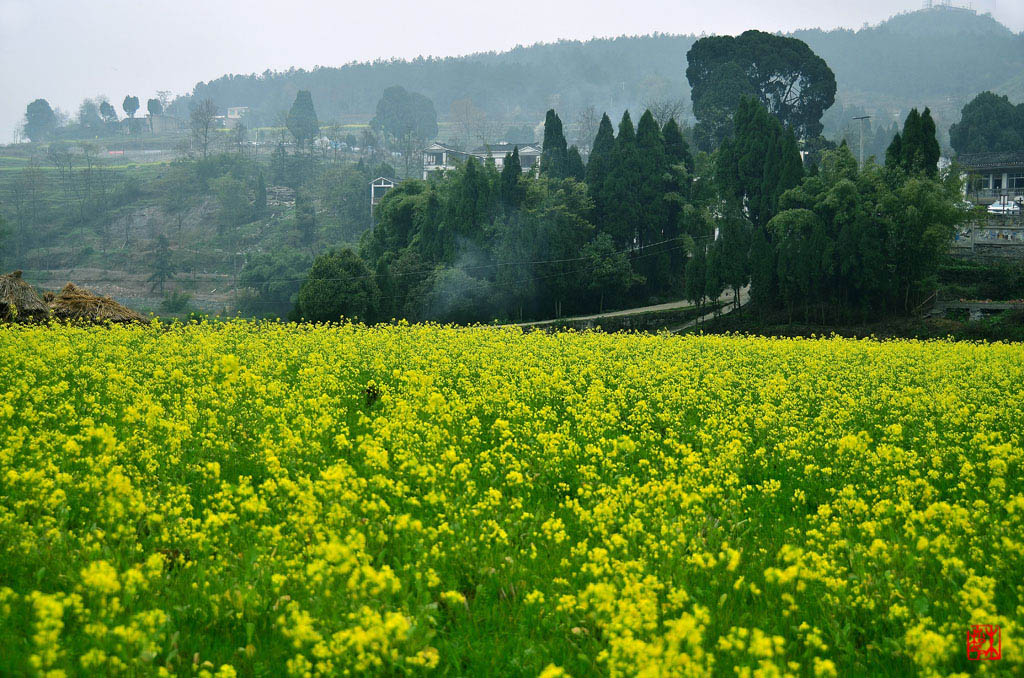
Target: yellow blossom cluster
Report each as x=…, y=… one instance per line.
x=263, y=499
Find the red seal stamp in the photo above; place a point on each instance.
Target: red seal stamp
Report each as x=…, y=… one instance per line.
x=984, y=643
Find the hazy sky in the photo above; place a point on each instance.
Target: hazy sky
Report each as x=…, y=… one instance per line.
x=66, y=50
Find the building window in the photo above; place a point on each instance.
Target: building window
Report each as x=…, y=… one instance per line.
x=1017, y=181
x=996, y=181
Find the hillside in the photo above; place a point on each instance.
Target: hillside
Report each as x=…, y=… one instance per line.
x=939, y=57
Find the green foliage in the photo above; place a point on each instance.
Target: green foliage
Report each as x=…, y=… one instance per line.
x=757, y=164
x=849, y=241
x=40, y=120
x=404, y=115
x=609, y=272
x=4, y=235
x=512, y=191
x=162, y=264
x=554, y=159
x=107, y=112
x=302, y=121
x=260, y=202
x=176, y=302
x=305, y=219
x=621, y=192
x=339, y=286
x=130, y=105
x=575, y=169
x=695, y=284
x=653, y=226
x=273, y=280
x=154, y=107
x=677, y=151
x=989, y=123
x=789, y=79
x=599, y=166
x=232, y=200
x=916, y=150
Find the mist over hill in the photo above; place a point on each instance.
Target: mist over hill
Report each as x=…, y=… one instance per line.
x=939, y=58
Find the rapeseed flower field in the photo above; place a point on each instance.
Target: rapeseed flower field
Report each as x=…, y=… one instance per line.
x=268, y=500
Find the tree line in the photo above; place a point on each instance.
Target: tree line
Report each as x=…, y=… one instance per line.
x=645, y=220
x=95, y=117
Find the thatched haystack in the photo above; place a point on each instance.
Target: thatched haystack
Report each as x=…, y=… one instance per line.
x=19, y=302
x=79, y=304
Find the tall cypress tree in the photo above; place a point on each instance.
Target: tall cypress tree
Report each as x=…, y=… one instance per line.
x=574, y=167
x=302, y=121
x=894, y=154
x=653, y=167
x=554, y=157
x=677, y=151
x=917, y=150
x=930, y=150
x=913, y=142
x=598, y=166
x=678, y=189
x=622, y=188
x=511, y=173
x=758, y=163
x=656, y=265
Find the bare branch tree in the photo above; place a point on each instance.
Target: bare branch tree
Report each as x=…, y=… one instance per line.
x=201, y=121
x=664, y=110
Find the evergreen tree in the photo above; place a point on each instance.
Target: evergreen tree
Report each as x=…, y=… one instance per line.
x=714, y=275
x=734, y=242
x=130, y=105
x=651, y=189
x=696, y=275
x=763, y=281
x=917, y=150
x=622, y=189
x=162, y=265
x=305, y=219
x=302, y=121
x=554, y=159
x=40, y=120
x=575, y=168
x=758, y=163
x=894, y=154
x=931, y=152
x=339, y=285
x=598, y=167
x=677, y=151
x=261, y=196
x=989, y=123
x=512, y=192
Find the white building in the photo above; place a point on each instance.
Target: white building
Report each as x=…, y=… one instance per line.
x=438, y=157
x=378, y=188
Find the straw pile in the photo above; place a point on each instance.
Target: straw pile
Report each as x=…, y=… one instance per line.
x=19, y=302
x=78, y=304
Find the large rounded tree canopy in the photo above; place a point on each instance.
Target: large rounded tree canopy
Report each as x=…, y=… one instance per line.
x=792, y=82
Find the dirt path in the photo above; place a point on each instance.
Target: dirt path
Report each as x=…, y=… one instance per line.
x=726, y=296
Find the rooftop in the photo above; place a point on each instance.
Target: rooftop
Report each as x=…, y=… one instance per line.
x=505, y=147
x=990, y=161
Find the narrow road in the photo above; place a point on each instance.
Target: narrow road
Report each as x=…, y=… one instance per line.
x=726, y=296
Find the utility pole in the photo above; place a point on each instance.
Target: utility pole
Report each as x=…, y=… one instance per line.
x=862, y=119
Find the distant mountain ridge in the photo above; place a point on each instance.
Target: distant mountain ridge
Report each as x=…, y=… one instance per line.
x=939, y=58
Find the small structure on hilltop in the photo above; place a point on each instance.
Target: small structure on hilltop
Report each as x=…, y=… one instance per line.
x=78, y=304
x=378, y=189
x=19, y=302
